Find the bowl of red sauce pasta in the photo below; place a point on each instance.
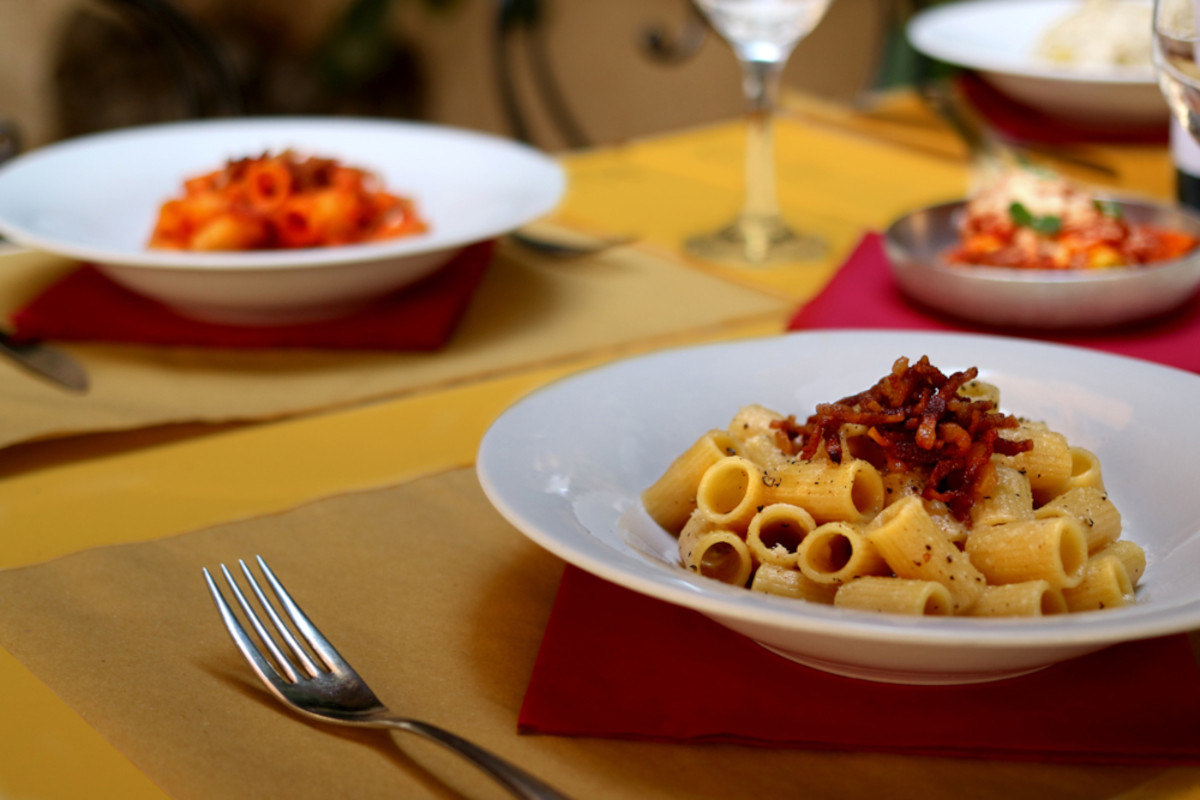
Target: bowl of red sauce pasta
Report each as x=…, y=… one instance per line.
x=1033, y=251
x=922, y=508
x=273, y=220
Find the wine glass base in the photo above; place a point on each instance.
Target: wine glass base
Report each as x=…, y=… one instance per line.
x=757, y=243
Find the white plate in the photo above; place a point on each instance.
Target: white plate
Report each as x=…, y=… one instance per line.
x=96, y=198
x=566, y=465
x=917, y=243
x=999, y=38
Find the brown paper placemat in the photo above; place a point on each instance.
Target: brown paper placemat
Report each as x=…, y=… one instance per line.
x=440, y=605
x=529, y=311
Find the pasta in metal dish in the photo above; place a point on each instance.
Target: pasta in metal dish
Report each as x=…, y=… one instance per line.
x=1029, y=219
x=915, y=496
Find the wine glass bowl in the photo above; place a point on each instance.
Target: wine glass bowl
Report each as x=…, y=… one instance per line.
x=763, y=34
x=1175, y=60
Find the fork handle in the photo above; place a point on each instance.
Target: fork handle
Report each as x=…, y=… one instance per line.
x=516, y=780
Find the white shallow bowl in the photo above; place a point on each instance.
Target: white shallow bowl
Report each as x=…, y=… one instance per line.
x=96, y=198
x=917, y=243
x=566, y=465
x=998, y=38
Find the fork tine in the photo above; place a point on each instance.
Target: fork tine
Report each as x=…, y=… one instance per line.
x=284, y=632
x=263, y=668
x=263, y=636
x=320, y=645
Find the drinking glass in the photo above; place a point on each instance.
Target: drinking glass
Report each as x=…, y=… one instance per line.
x=763, y=34
x=1175, y=60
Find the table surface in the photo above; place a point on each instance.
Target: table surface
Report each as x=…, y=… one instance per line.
x=841, y=172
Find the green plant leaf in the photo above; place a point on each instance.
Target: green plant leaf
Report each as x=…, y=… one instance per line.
x=1047, y=225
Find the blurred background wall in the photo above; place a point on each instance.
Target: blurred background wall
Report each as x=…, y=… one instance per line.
x=69, y=67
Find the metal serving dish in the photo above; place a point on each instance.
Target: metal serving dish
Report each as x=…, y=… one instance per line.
x=916, y=245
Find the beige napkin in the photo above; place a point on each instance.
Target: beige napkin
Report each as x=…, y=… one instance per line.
x=529, y=311
x=440, y=605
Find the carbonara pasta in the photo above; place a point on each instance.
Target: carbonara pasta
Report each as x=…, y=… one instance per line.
x=914, y=496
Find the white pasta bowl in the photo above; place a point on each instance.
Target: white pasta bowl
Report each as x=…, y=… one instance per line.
x=917, y=243
x=566, y=466
x=96, y=198
x=998, y=38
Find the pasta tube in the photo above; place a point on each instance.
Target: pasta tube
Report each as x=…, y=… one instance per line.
x=1028, y=599
x=1052, y=549
x=838, y=553
x=1132, y=556
x=1085, y=470
x=1105, y=584
x=980, y=390
x=896, y=596
x=775, y=534
x=1048, y=465
x=848, y=492
x=1089, y=505
x=759, y=440
x=732, y=490
x=1009, y=500
x=785, y=582
x=672, y=498
x=914, y=547
x=955, y=530
x=714, y=552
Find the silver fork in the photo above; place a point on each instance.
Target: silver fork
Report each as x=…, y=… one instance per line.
x=333, y=691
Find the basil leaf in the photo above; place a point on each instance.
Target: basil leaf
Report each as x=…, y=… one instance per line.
x=1047, y=225
x=1109, y=208
x=1020, y=214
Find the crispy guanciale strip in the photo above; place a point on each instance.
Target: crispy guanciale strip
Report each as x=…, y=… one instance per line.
x=917, y=422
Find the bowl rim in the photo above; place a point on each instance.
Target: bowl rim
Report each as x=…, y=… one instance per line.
x=917, y=34
x=270, y=260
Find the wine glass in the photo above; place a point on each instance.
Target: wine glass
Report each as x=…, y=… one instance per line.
x=763, y=34
x=1175, y=60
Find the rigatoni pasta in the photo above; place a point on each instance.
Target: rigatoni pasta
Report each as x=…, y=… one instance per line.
x=838, y=552
x=672, y=498
x=916, y=496
x=282, y=201
x=896, y=596
x=776, y=533
x=1028, y=599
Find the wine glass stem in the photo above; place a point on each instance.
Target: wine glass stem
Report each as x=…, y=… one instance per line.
x=761, y=83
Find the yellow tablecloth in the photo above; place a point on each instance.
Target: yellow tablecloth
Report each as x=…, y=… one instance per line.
x=840, y=173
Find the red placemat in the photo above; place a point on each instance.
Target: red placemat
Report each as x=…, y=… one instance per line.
x=1018, y=122
x=617, y=664
x=85, y=305
x=863, y=295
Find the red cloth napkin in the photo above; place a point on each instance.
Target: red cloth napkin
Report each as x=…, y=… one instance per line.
x=614, y=663
x=86, y=305
x=1018, y=122
x=863, y=295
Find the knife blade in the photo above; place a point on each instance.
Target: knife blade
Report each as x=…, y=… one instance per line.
x=45, y=361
